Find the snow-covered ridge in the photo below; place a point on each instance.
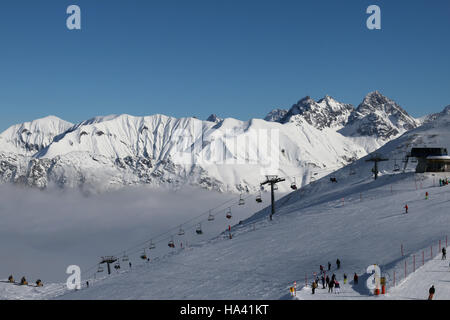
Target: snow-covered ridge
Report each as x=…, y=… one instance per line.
x=30, y=137
x=312, y=138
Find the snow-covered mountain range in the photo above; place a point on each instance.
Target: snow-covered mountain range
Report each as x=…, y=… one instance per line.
x=306, y=142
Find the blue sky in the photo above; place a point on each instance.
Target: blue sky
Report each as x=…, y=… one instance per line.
x=233, y=58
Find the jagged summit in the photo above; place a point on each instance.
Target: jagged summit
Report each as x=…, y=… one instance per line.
x=325, y=113
x=276, y=115
x=380, y=117
x=214, y=118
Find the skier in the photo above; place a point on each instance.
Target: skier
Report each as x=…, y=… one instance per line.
x=337, y=287
x=327, y=280
x=39, y=283
x=444, y=253
x=355, y=279
x=345, y=278
x=323, y=282
x=406, y=208
x=330, y=286
x=314, y=286
x=426, y=195
x=431, y=292
x=87, y=284
x=333, y=277
x=329, y=266
x=129, y=264
x=321, y=269
x=338, y=263
x=11, y=279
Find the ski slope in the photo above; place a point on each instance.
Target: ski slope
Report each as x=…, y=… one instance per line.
x=263, y=259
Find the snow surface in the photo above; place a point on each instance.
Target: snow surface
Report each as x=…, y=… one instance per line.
x=263, y=259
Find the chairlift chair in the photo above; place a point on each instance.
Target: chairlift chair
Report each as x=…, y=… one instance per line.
x=229, y=215
x=259, y=198
x=275, y=187
x=151, y=245
x=125, y=258
x=210, y=216
x=294, y=185
x=241, y=201
x=117, y=265
x=171, y=243
x=199, y=229
x=100, y=269
x=144, y=255
x=181, y=232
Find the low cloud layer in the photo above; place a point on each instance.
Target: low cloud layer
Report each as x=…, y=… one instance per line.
x=42, y=232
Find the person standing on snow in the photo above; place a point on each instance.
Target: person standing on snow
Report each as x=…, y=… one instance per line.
x=329, y=266
x=345, y=278
x=426, y=195
x=355, y=278
x=338, y=263
x=327, y=280
x=330, y=286
x=431, y=292
x=323, y=282
x=406, y=208
x=314, y=286
x=321, y=269
x=337, y=287
x=444, y=253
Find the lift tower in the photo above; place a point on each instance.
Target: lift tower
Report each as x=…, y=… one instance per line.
x=375, y=159
x=108, y=260
x=272, y=180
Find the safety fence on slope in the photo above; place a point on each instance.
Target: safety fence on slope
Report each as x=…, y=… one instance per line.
x=392, y=275
x=409, y=263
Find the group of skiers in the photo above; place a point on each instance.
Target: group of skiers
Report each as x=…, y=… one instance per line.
x=443, y=182
x=330, y=283
x=24, y=282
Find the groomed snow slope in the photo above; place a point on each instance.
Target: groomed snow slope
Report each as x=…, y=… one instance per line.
x=264, y=258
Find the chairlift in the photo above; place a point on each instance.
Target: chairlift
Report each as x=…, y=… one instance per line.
x=100, y=269
x=117, y=265
x=275, y=187
x=294, y=185
x=396, y=167
x=229, y=215
x=259, y=198
x=241, y=201
x=199, y=229
x=125, y=258
x=151, y=245
x=171, y=243
x=144, y=255
x=181, y=232
x=210, y=216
